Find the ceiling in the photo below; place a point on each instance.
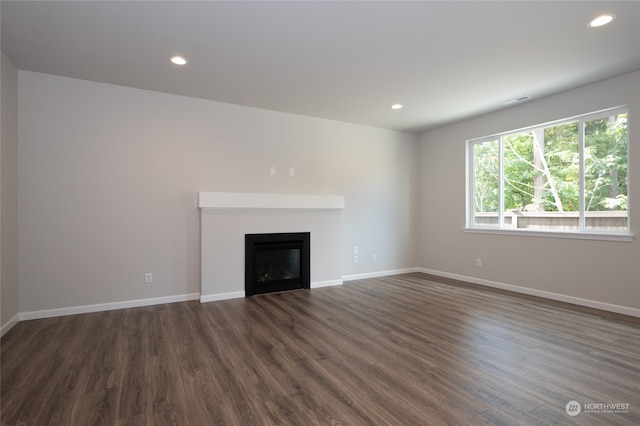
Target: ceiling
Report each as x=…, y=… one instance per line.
x=349, y=61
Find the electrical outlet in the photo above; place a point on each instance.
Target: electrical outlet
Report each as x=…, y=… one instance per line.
x=374, y=258
x=355, y=250
x=355, y=259
x=148, y=277
x=478, y=262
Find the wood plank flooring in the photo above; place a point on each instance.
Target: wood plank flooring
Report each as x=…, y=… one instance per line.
x=404, y=350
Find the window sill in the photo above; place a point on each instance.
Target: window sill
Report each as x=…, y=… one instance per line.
x=601, y=236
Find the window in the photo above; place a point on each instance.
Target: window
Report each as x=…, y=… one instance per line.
x=566, y=176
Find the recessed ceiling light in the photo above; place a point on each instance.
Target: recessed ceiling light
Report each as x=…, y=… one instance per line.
x=601, y=20
x=178, y=60
x=396, y=106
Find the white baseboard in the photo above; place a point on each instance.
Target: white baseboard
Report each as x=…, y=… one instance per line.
x=9, y=325
x=50, y=313
x=221, y=296
x=320, y=284
x=74, y=310
x=379, y=274
x=625, y=310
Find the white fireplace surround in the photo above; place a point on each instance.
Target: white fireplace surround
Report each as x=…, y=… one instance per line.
x=226, y=217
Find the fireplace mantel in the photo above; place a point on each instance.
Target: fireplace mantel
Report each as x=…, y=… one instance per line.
x=238, y=200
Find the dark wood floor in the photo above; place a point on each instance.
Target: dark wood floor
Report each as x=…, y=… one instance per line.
x=404, y=350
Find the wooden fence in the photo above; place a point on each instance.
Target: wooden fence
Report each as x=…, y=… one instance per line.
x=605, y=220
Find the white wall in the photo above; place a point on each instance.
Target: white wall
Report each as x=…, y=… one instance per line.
x=108, y=182
x=602, y=271
x=9, y=196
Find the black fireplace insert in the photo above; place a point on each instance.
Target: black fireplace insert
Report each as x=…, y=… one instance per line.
x=277, y=262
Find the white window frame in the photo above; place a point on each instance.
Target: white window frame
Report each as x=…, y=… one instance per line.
x=582, y=232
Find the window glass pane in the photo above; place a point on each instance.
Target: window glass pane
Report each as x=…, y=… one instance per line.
x=486, y=183
x=519, y=175
x=605, y=158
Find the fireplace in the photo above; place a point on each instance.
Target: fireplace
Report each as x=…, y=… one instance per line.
x=277, y=262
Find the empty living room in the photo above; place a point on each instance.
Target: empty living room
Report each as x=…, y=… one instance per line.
x=320, y=213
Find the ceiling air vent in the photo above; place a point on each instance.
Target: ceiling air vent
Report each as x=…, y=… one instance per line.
x=515, y=100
